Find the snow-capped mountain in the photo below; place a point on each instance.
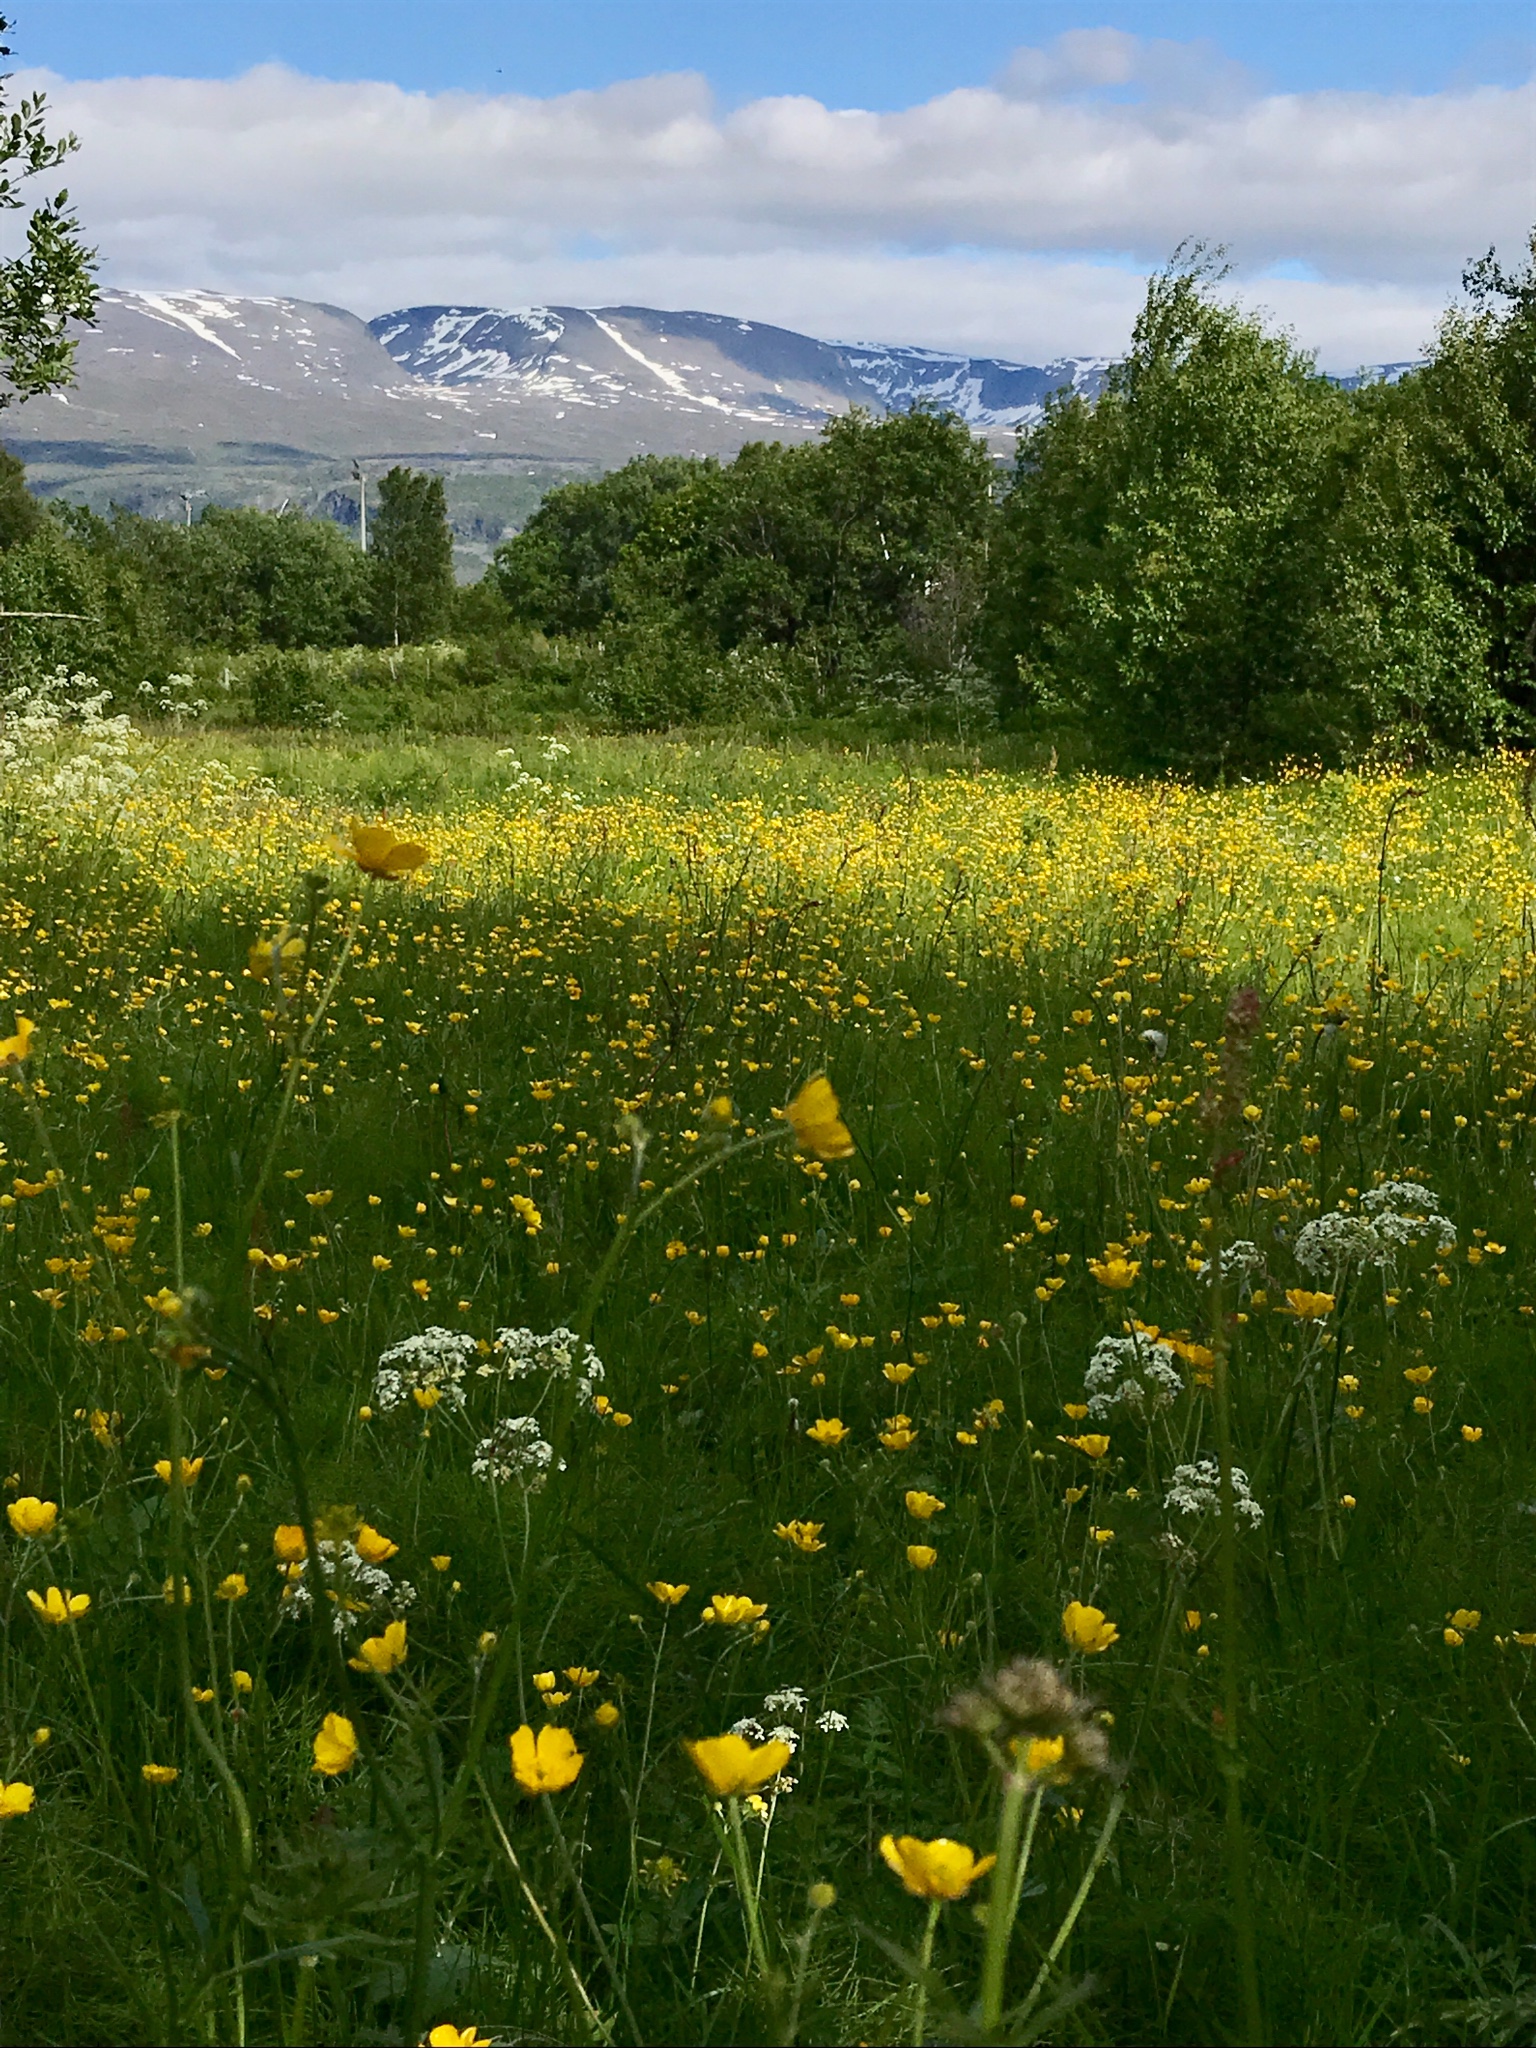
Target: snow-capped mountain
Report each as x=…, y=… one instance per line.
x=764, y=376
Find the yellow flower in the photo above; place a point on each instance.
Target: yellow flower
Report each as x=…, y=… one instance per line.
x=828, y=1432
x=447, y=2035
x=166, y=1303
x=900, y=1436
x=281, y=954
x=202, y=1694
x=1310, y=1307
x=1469, y=1435
x=289, y=1544
x=1467, y=1618
x=382, y=1654
x=60, y=1607
x=159, y=1774
x=940, y=1869
x=335, y=1746
x=19, y=1047
x=922, y=1556
x=1091, y=1446
x=607, y=1715
x=30, y=1516
x=804, y=1536
x=734, y=1610
x=242, y=1681
x=816, y=1120
x=581, y=1676
x=923, y=1506
x=1192, y=1620
x=232, y=1587
x=668, y=1594
x=1115, y=1270
x=546, y=1762
x=544, y=1681
x=1086, y=1628
x=730, y=1765
x=378, y=851
x=190, y=1467
x=1042, y=1757
x=15, y=1798
x=373, y=1548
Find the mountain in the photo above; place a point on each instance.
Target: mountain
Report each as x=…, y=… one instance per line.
x=188, y=397
x=694, y=366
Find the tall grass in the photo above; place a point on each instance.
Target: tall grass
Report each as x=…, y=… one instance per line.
x=538, y=1085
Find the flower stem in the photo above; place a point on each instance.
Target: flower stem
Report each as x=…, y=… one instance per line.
x=741, y=1864
x=924, y=1965
x=1002, y=1901
x=1064, y=1931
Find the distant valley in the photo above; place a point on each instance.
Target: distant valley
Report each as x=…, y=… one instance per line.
x=182, y=398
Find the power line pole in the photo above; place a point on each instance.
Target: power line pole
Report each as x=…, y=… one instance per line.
x=362, y=507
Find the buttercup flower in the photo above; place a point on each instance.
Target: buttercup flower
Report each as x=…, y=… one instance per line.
x=546, y=1762
x=815, y=1117
x=379, y=851
x=923, y=1506
x=282, y=955
x=58, y=1607
x=13, y=1050
x=159, y=1774
x=922, y=1556
x=232, y=1587
x=15, y=1798
x=335, y=1746
x=730, y=1765
x=289, y=1544
x=1115, y=1270
x=607, y=1715
x=939, y=1869
x=804, y=1536
x=373, y=1548
x=582, y=1675
x=1092, y=1445
x=1309, y=1306
x=30, y=1516
x=828, y=1432
x=668, y=1594
x=447, y=2035
x=1087, y=1629
x=190, y=1467
x=382, y=1654
x=734, y=1610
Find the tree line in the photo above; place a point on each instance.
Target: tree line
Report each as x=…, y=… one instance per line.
x=1223, y=558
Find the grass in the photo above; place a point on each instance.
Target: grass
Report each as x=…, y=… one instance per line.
x=465, y=1108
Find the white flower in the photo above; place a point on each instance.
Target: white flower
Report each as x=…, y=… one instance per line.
x=1156, y=1042
x=750, y=1728
x=1136, y=1372
x=357, y=1586
x=788, y=1736
x=790, y=1701
x=561, y=1354
x=436, y=1358
x=832, y=1722
x=1196, y=1490
x=1397, y=1214
x=514, y=1452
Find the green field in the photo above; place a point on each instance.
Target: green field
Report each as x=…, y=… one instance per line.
x=1175, y=1337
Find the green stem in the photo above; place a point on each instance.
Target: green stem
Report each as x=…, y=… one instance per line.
x=568, y=1865
x=1064, y=1931
x=1002, y=1901
x=741, y=1864
x=1231, y=1765
x=924, y=1965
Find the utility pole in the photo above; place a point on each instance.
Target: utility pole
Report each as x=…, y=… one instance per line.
x=362, y=507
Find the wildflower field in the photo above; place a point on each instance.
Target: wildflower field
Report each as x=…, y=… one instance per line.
x=621, y=1367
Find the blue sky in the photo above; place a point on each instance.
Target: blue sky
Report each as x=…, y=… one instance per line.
x=981, y=175
x=880, y=54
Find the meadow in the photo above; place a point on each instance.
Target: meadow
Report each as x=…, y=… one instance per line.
x=458, y=1355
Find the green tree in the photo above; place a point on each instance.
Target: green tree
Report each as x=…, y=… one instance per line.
x=862, y=554
x=51, y=283
x=239, y=578
x=410, y=553
x=1228, y=558
x=557, y=574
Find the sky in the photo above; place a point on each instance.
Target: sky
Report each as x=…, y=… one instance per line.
x=983, y=175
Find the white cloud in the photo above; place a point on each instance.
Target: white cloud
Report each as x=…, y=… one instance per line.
x=981, y=218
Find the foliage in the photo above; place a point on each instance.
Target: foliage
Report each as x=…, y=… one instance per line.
x=304, y=1195
x=52, y=284
x=557, y=574
x=1229, y=558
x=410, y=557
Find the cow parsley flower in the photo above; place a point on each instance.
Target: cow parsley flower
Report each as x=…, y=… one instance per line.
x=1137, y=1373
x=514, y=1454
x=1392, y=1217
x=832, y=1722
x=1196, y=1490
x=432, y=1363
x=561, y=1355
